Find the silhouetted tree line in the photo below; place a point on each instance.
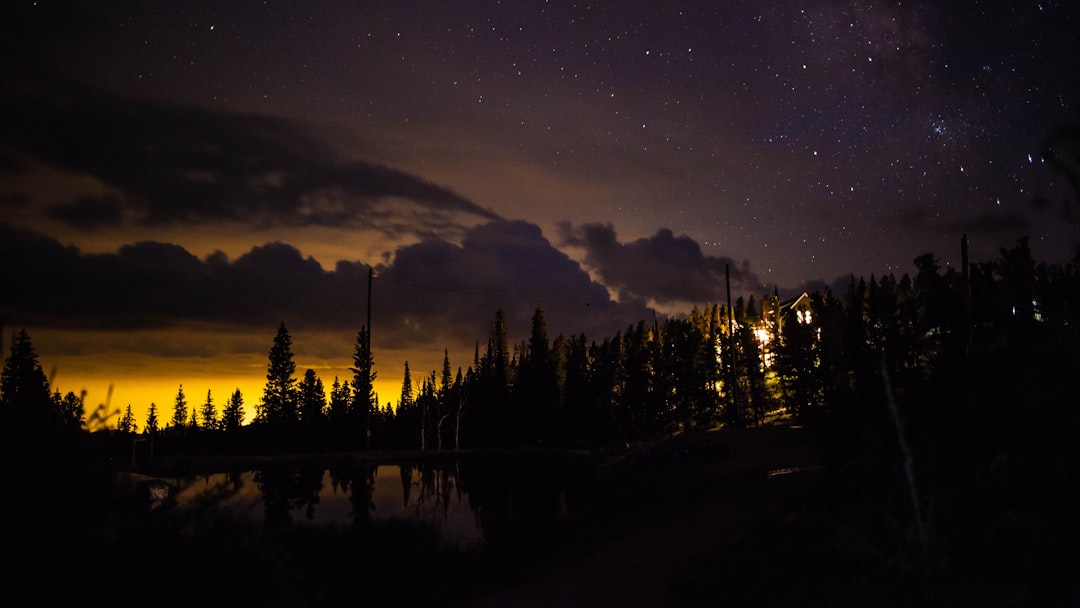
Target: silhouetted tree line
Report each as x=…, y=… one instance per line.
x=53, y=473
x=825, y=353
x=737, y=366
x=978, y=360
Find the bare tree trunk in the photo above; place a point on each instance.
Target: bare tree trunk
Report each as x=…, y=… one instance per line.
x=905, y=449
x=457, y=425
x=423, y=428
x=438, y=432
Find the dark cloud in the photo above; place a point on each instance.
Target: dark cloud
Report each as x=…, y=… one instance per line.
x=434, y=294
x=8, y=164
x=10, y=199
x=174, y=164
x=663, y=268
x=152, y=284
x=436, y=287
x=89, y=212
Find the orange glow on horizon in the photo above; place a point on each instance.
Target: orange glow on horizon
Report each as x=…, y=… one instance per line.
x=141, y=391
x=149, y=366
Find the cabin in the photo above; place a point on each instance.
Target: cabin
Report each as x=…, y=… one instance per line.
x=775, y=314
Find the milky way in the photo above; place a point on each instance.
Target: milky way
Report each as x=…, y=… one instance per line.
x=649, y=145
x=793, y=135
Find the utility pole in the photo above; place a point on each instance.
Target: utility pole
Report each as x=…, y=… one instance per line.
x=731, y=347
x=367, y=347
x=966, y=274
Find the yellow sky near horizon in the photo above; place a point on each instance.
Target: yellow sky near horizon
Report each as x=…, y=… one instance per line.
x=141, y=391
x=91, y=363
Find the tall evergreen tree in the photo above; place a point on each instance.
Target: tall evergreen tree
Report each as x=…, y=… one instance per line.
x=312, y=398
x=446, y=378
x=426, y=402
x=445, y=402
x=406, y=416
x=499, y=348
x=180, y=413
x=209, y=413
x=24, y=389
x=232, y=417
x=581, y=406
x=151, y=425
x=279, y=394
x=798, y=365
x=857, y=335
x=364, y=402
x=609, y=375
x=1016, y=268
x=406, y=401
x=686, y=374
x=536, y=392
x=638, y=380
x=489, y=390
x=127, y=421
x=340, y=399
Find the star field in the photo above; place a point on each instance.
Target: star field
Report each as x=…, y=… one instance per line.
x=756, y=123
x=797, y=141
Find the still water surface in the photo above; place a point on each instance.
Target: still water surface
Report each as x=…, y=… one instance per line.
x=468, y=504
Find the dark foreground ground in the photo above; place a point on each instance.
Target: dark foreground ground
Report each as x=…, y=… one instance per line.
x=786, y=515
x=791, y=516
x=675, y=509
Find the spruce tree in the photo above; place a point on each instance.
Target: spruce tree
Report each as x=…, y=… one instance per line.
x=406, y=401
x=279, y=395
x=24, y=389
x=127, y=421
x=180, y=413
x=443, y=405
x=363, y=383
x=151, y=426
x=209, y=413
x=536, y=392
x=340, y=396
x=447, y=378
x=233, y=414
x=499, y=347
x=489, y=389
x=312, y=398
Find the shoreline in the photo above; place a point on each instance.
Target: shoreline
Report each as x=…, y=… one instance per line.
x=674, y=446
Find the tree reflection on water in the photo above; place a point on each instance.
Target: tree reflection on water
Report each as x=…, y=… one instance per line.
x=469, y=505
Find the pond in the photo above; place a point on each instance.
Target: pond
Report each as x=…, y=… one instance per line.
x=469, y=505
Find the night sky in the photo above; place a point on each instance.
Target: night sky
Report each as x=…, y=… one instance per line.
x=176, y=179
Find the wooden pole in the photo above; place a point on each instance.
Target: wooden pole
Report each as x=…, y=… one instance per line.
x=731, y=344
x=966, y=274
x=367, y=347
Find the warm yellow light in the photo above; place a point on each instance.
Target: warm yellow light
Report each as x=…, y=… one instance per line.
x=762, y=336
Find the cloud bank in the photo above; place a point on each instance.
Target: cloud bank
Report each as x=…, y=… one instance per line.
x=160, y=164
x=662, y=268
x=434, y=294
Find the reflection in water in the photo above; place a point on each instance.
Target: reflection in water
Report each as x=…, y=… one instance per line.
x=468, y=504
x=287, y=491
x=533, y=505
x=284, y=496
